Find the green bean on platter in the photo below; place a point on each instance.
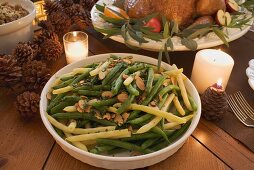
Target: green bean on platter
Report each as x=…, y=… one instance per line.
x=95, y=107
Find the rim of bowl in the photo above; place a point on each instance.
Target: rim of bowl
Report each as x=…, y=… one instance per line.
x=49, y=127
x=33, y=12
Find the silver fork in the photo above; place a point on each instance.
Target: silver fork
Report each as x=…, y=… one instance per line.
x=241, y=108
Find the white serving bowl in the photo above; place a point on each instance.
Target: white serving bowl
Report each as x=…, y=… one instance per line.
x=19, y=30
x=125, y=161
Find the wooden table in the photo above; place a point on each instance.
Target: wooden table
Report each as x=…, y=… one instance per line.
x=28, y=145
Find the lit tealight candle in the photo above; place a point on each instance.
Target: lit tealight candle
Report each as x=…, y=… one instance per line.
x=76, y=46
x=210, y=66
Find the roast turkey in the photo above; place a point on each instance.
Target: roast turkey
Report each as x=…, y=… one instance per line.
x=184, y=12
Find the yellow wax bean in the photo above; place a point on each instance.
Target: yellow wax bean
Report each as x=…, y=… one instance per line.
x=63, y=90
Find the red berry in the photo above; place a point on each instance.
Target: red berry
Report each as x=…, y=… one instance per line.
x=155, y=24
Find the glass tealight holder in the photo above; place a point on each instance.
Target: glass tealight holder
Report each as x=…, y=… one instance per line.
x=75, y=46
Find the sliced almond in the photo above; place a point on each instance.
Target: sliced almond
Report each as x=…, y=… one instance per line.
x=153, y=103
x=122, y=97
x=166, y=82
x=82, y=81
x=98, y=115
x=118, y=119
x=117, y=105
x=126, y=60
x=130, y=128
x=90, y=102
x=80, y=110
x=107, y=116
x=125, y=116
x=107, y=94
x=125, y=76
x=113, y=116
x=102, y=75
x=140, y=83
x=83, y=97
x=81, y=103
x=49, y=96
x=87, y=109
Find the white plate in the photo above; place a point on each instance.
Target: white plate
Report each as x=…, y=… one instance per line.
x=250, y=73
x=124, y=161
x=211, y=40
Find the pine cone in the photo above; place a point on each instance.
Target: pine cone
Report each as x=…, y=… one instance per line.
x=46, y=25
x=83, y=21
x=27, y=104
x=61, y=22
x=87, y=4
x=35, y=47
x=52, y=6
x=51, y=50
x=10, y=71
x=214, y=104
x=66, y=3
x=35, y=75
x=74, y=10
x=23, y=53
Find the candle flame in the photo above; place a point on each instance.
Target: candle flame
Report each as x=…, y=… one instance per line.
x=219, y=82
x=75, y=34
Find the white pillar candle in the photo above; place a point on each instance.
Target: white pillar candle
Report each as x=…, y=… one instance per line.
x=210, y=66
x=76, y=46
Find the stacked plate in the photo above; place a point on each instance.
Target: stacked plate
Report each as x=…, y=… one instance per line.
x=250, y=73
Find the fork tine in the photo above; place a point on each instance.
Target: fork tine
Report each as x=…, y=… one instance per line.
x=245, y=105
x=234, y=107
x=236, y=110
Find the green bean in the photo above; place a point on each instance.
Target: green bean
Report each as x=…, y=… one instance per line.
x=101, y=149
x=167, y=89
x=90, y=93
x=86, y=116
x=140, y=119
x=91, y=65
x=116, y=151
x=71, y=98
x=158, y=130
x=59, y=132
x=101, y=109
x=173, y=137
x=107, y=102
x=132, y=90
x=94, y=87
x=125, y=104
x=112, y=73
x=142, y=136
x=60, y=107
x=115, y=77
x=118, y=83
x=115, y=89
x=193, y=103
x=149, y=82
x=161, y=144
x=82, y=123
x=149, y=97
x=114, y=57
x=80, y=77
x=122, y=144
x=66, y=78
x=137, y=67
x=55, y=101
x=148, y=143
